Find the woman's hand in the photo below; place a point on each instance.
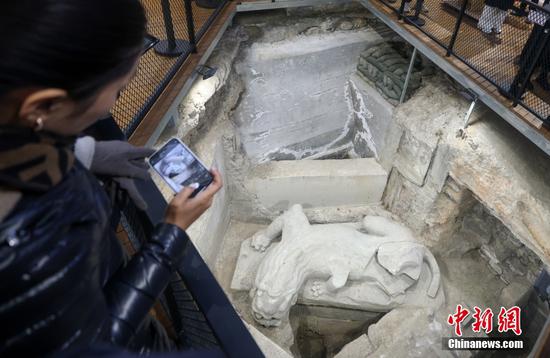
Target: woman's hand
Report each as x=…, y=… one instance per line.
x=183, y=210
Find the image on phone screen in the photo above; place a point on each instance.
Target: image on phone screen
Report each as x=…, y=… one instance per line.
x=179, y=167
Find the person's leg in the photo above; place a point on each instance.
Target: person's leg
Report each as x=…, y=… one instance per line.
x=485, y=21
x=407, y=6
x=500, y=17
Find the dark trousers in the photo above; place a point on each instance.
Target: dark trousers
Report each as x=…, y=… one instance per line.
x=528, y=59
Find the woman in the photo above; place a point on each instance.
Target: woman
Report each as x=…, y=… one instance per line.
x=63, y=282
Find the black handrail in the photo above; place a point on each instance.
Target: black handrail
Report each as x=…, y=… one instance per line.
x=457, y=27
x=190, y=25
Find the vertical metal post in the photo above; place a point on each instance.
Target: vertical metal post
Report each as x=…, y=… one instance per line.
x=457, y=27
x=168, y=25
x=170, y=47
x=190, y=25
x=524, y=75
x=409, y=71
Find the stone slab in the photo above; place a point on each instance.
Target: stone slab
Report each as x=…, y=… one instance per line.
x=381, y=124
x=295, y=92
x=413, y=158
x=278, y=185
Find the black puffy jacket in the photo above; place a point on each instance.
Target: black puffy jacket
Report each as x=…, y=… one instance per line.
x=500, y=4
x=63, y=281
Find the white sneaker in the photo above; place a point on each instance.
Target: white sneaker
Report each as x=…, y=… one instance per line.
x=484, y=30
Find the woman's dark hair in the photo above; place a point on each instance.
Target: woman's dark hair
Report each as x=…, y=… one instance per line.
x=76, y=45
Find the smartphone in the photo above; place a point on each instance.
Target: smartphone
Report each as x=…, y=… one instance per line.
x=180, y=167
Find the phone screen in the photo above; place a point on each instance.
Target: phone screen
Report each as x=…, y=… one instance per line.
x=179, y=167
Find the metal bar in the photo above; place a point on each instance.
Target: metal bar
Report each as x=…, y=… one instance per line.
x=409, y=71
x=188, y=49
x=152, y=99
x=168, y=24
x=190, y=25
x=457, y=27
x=469, y=113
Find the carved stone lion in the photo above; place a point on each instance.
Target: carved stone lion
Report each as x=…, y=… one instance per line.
x=376, y=265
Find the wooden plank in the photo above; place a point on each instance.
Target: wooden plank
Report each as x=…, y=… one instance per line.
x=152, y=119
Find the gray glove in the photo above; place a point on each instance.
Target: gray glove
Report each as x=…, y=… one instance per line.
x=120, y=159
x=124, y=163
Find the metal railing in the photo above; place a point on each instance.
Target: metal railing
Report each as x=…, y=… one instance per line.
x=513, y=56
x=175, y=27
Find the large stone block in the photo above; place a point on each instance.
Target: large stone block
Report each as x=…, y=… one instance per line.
x=313, y=183
x=295, y=92
x=413, y=158
x=375, y=114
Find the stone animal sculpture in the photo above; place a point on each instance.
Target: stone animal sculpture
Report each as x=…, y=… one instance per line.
x=378, y=253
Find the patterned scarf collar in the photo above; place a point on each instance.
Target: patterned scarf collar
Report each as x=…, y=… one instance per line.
x=33, y=161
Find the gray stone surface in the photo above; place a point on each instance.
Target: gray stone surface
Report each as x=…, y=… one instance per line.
x=313, y=183
x=413, y=158
x=491, y=164
x=374, y=116
x=360, y=347
x=295, y=93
